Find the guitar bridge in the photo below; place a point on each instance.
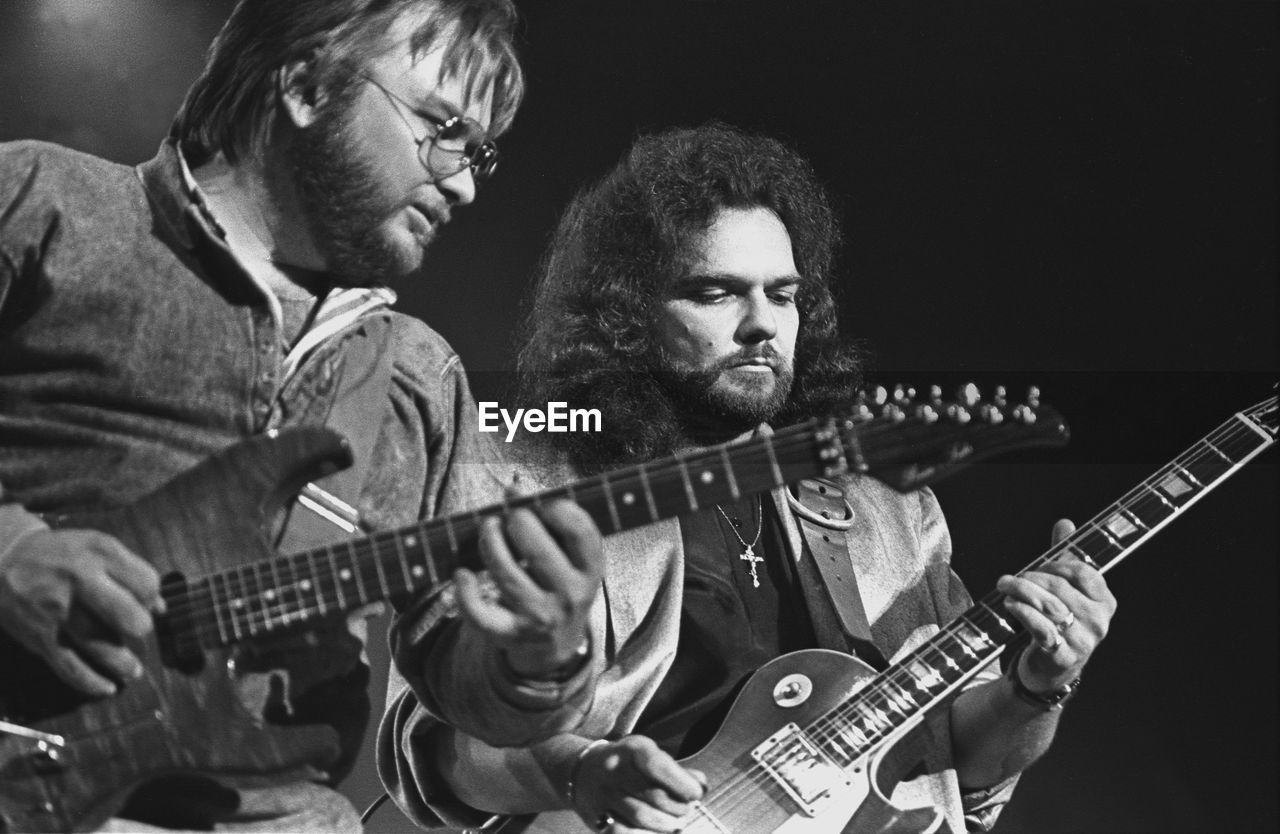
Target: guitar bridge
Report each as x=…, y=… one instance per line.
x=808, y=775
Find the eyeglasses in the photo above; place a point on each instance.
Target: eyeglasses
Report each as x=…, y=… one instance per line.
x=458, y=142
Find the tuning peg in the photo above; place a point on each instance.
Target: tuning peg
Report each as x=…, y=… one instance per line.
x=903, y=395
x=968, y=395
x=1024, y=413
x=926, y=413
x=1001, y=398
x=1033, y=396
x=935, y=394
x=879, y=396
x=958, y=414
x=992, y=414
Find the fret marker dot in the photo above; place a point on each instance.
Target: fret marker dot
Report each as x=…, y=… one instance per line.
x=411, y=541
x=237, y=603
x=707, y=476
x=417, y=571
x=629, y=498
x=269, y=595
x=305, y=584
x=345, y=574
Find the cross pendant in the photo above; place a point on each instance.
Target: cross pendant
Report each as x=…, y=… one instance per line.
x=750, y=556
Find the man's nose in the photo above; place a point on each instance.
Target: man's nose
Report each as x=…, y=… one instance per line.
x=759, y=324
x=459, y=189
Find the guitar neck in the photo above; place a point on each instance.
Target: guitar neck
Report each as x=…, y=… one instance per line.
x=260, y=598
x=933, y=672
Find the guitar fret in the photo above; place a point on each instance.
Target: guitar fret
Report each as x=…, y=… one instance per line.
x=1000, y=621
x=1190, y=477
x=1080, y=554
x=1106, y=532
x=1160, y=496
x=453, y=538
x=973, y=636
x=337, y=578
x=208, y=583
x=1117, y=526
x=381, y=572
x=608, y=499
x=924, y=675
x=1219, y=452
x=704, y=815
x=255, y=595
x=270, y=594
x=429, y=559
x=648, y=492
x=226, y=603
x=898, y=697
x=728, y=474
x=355, y=571
x=400, y=542
x=316, y=589
x=688, y=486
x=1150, y=509
x=1133, y=519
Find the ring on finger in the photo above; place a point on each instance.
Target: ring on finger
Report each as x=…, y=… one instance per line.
x=1066, y=622
x=1054, y=646
x=604, y=821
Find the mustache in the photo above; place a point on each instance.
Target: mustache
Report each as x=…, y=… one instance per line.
x=753, y=353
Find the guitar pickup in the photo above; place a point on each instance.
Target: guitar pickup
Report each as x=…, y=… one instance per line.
x=809, y=776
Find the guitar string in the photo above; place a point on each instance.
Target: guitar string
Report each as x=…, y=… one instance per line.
x=825, y=728
x=201, y=592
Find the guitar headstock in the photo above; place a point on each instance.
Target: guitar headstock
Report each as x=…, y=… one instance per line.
x=909, y=441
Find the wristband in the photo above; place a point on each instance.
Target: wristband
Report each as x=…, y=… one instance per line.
x=1047, y=701
x=561, y=674
x=571, y=787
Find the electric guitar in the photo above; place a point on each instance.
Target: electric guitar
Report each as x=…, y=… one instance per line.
x=69, y=762
x=816, y=740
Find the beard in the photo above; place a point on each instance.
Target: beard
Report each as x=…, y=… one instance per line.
x=344, y=204
x=712, y=405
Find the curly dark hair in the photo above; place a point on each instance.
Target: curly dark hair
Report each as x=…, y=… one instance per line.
x=588, y=336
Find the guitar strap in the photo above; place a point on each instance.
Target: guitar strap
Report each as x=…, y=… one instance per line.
x=325, y=511
x=826, y=569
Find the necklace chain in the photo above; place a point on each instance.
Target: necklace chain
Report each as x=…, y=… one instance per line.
x=749, y=550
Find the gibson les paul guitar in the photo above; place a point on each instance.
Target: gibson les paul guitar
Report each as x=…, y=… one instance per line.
x=69, y=763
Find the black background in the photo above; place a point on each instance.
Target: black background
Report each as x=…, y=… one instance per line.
x=1076, y=195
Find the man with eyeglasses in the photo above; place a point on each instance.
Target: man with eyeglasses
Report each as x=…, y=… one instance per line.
x=234, y=286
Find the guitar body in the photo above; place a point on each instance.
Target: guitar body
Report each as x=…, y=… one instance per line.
x=855, y=801
x=743, y=798
x=186, y=714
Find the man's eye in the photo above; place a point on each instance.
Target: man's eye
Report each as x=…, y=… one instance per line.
x=788, y=297
x=708, y=296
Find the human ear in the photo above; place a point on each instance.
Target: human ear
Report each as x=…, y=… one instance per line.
x=300, y=96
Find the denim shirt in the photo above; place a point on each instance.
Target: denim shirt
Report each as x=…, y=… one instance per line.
x=133, y=345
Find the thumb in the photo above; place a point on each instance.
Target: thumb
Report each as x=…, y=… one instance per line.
x=1062, y=528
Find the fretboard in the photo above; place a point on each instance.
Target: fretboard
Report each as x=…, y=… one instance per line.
x=261, y=598
x=938, y=668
